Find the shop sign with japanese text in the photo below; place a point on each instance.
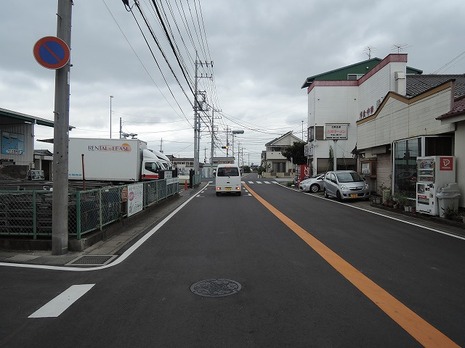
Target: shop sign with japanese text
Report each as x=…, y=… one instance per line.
x=336, y=131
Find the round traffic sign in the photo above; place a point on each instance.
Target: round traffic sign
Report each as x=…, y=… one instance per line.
x=51, y=52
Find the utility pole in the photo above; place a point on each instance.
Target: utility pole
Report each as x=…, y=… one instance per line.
x=196, y=121
x=239, y=153
x=61, y=138
x=197, y=108
x=227, y=141
x=212, y=147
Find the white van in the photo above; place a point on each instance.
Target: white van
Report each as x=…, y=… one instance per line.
x=228, y=179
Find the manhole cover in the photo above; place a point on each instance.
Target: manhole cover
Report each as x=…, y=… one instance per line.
x=216, y=287
x=91, y=260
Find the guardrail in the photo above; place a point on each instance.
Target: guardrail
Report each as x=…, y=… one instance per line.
x=29, y=213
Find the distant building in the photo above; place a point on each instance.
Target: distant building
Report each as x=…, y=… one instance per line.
x=379, y=115
x=17, y=134
x=183, y=164
x=43, y=160
x=273, y=161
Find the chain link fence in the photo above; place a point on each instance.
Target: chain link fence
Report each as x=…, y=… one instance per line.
x=29, y=213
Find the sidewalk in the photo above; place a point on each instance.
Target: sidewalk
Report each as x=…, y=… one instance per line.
x=120, y=236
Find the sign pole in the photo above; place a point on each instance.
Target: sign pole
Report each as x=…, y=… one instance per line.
x=335, y=155
x=61, y=137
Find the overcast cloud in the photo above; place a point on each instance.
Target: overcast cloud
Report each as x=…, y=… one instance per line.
x=262, y=51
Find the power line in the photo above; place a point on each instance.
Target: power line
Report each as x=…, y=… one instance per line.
x=449, y=63
x=152, y=33
x=144, y=67
x=171, y=45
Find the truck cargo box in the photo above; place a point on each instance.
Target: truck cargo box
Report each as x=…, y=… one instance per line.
x=118, y=160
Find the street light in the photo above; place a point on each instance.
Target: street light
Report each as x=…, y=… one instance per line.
x=234, y=132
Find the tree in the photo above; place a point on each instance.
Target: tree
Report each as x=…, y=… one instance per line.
x=295, y=153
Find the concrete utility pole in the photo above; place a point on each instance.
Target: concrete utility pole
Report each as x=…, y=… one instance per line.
x=61, y=138
x=197, y=108
x=212, y=149
x=212, y=142
x=227, y=141
x=196, y=122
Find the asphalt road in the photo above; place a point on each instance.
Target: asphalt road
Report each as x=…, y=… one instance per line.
x=312, y=273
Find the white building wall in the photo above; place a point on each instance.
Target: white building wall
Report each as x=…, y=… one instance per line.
x=348, y=104
x=275, y=155
x=383, y=171
x=399, y=120
x=334, y=104
x=375, y=89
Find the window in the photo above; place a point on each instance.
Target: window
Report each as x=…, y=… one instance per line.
x=320, y=133
x=354, y=77
x=438, y=146
x=317, y=132
x=152, y=166
x=228, y=171
x=405, y=165
x=349, y=177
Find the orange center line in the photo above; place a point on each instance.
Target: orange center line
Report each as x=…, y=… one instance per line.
x=417, y=327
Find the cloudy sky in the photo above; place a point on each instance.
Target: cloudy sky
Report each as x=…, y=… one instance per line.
x=262, y=51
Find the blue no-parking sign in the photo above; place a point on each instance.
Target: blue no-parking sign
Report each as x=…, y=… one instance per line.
x=51, y=52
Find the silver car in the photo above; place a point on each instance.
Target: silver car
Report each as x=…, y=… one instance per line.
x=345, y=184
x=313, y=184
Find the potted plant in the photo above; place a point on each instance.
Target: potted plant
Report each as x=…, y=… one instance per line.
x=401, y=200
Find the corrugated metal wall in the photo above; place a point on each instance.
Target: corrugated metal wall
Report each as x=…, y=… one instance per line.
x=17, y=134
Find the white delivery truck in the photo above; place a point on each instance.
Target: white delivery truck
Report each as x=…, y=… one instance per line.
x=115, y=160
x=165, y=161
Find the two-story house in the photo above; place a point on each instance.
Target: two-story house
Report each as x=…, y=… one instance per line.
x=273, y=161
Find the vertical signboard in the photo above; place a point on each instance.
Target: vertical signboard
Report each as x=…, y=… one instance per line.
x=135, y=198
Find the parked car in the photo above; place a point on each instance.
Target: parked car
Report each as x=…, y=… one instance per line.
x=345, y=184
x=313, y=184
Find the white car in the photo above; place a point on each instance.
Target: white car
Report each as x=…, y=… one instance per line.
x=313, y=184
x=228, y=179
